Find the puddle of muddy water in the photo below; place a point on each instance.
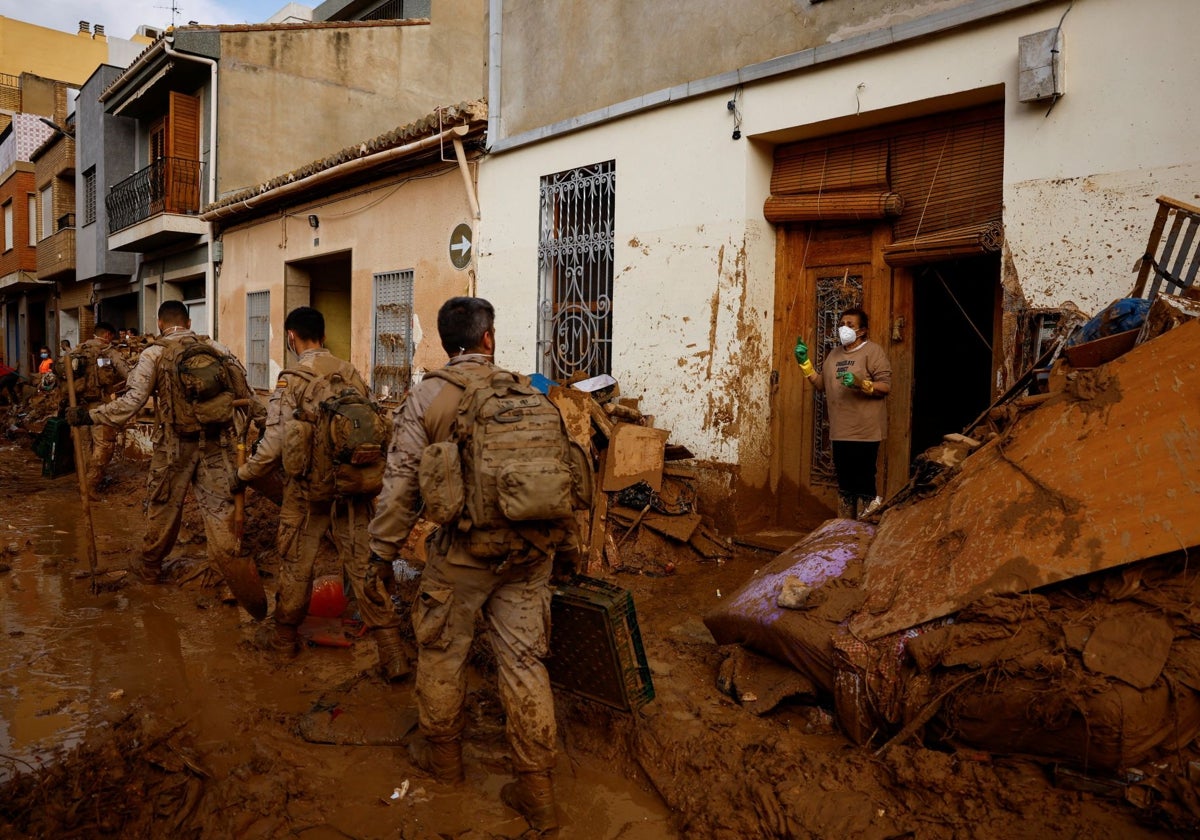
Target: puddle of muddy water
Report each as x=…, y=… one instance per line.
x=72, y=661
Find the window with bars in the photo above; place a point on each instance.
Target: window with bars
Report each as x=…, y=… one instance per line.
x=575, y=267
x=835, y=294
x=399, y=10
x=89, y=196
x=391, y=361
x=47, y=210
x=258, y=339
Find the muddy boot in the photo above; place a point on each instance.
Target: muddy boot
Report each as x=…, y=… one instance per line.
x=847, y=506
x=149, y=572
x=393, y=658
x=532, y=796
x=440, y=759
x=282, y=639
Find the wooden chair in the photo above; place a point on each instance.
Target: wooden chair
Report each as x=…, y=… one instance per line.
x=1173, y=261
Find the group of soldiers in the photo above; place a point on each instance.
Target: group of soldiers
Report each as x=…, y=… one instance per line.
x=195, y=450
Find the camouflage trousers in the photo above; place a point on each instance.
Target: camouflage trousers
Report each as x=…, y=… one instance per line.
x=516, y=605
x=98, y=441
x=204, y=466
x=303, y=526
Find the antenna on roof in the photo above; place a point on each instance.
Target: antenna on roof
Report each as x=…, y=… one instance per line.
x=175, y=11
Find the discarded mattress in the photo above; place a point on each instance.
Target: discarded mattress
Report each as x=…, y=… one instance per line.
x=829, y=562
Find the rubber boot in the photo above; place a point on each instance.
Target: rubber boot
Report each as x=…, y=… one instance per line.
x=847, y=506
x=532, y=796
x=393, y=658
x=440, y=759
x=282, y=639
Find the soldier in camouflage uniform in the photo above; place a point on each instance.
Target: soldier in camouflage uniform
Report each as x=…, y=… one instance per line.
x=304, y=523
x=201, y=461
x=455, y=586
x=105, y=373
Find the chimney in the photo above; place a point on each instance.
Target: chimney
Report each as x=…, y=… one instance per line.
x=84, y=26
x=98, y=31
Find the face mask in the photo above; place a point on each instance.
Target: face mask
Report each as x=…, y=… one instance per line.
x=846, y=335
x=45, y=355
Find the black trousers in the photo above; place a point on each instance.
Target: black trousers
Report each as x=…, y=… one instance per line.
x=854, y=463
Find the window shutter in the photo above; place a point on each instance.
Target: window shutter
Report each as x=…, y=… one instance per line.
x=183, y=154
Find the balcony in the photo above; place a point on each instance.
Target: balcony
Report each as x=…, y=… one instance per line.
x=156, y=206
x=56, y=252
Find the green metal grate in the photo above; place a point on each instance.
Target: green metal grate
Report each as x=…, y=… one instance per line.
x=596, y=646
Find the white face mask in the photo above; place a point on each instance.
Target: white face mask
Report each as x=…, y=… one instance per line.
x=847, y=335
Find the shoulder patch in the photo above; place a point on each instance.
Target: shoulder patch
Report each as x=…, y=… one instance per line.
x=281, y=383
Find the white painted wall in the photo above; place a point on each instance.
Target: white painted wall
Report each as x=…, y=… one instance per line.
x=695, y=274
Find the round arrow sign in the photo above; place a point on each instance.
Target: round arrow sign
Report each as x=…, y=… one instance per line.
x=460, y=246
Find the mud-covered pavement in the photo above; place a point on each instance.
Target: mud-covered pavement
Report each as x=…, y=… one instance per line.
x=144, y=712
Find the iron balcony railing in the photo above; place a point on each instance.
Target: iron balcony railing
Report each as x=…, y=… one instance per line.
x=169, y=185
x=65, y=221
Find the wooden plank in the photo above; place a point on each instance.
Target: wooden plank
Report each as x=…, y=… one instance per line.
x=679, y=527
x=635, y=453
x=1105, y=474
x=599, y=418
x=577, y=416
x=599, y=525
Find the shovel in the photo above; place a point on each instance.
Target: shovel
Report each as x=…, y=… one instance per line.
x=81, y=465
x=240, y=572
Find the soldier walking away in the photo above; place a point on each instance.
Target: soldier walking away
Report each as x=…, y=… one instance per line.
x=194, y=381
x=469, y=570
x=99, y=371
x=855, y=377
x=302, y=419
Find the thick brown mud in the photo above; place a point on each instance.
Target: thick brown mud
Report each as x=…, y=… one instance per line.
x=144, y=711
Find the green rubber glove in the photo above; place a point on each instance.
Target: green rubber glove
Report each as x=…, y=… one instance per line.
x=848, y=379
x=801, y=351
x=801, y=354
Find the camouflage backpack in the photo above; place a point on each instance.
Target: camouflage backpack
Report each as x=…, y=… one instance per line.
x=92, y=371
x=198, y=382
x=335, y=444
x=510, y=471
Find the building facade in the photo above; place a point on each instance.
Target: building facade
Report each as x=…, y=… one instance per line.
x=756, y=167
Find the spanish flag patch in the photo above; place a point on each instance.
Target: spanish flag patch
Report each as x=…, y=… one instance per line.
x=282, y=383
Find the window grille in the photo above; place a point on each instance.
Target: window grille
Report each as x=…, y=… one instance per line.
x=89, y=196
x=399, y=10
x=835, y=294
x=575, y=266
x=258, y=339
x=391, y=363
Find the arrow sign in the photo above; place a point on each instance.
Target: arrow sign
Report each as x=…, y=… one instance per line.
x=460, y=246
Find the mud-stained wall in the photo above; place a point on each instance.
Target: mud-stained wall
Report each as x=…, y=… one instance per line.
x=695, y=260
x=386, y=227
x=326, y=88
x=694, y=269
x=634, y=48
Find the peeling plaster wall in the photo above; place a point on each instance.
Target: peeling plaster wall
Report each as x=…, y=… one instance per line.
x=694, y=268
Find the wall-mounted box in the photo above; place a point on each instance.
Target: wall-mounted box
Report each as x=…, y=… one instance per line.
x=1040, y=66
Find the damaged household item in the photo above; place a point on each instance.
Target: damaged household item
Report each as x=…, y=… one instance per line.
x=596, y=648
x=1099, y=475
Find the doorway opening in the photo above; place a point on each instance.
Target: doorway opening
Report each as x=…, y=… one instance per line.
x=954, y=311
x=324, y=283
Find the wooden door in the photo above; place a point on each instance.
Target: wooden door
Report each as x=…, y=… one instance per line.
x=183, y=154
x=821, y=270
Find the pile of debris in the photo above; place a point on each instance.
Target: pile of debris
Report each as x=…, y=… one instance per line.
x=1030, y=592
x=644, y=504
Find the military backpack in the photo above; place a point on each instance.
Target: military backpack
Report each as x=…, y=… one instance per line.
x=511, y=473
x=335, y=444
x=198, y=382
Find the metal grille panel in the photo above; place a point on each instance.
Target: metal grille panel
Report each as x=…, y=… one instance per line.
x=258, y=339
x=391, y=363
x=575, y=265
x=835, y=295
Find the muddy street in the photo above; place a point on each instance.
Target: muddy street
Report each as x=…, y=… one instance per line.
x=141, y=711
